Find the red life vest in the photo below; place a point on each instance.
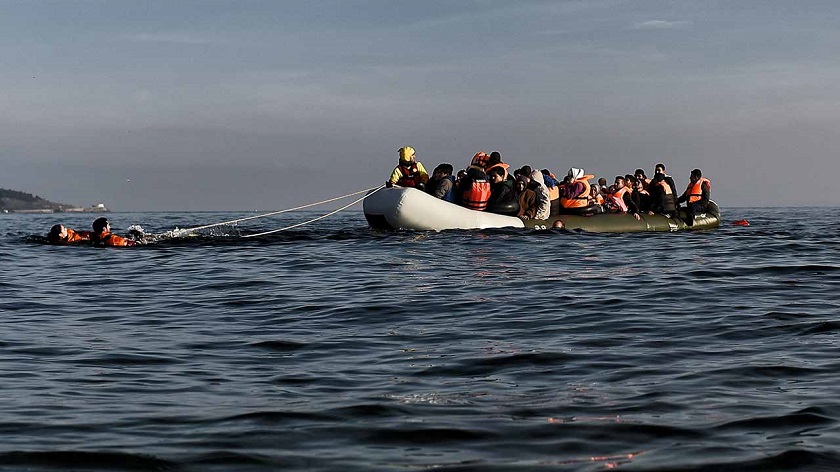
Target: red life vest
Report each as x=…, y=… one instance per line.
x=581, y=200
x=695, y=190
x=480, y=159
x=410, y=175
x=475, y=197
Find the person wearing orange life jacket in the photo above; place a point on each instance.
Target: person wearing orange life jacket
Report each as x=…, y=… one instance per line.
x=103, y=237
x=697, y=196
x=494, y=161
x=574, y=198
x=662, y=198
x=409, y=172
x=61, y=235
x=619, y=199
x=474, y=189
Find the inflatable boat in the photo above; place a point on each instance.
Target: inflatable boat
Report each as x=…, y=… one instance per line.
x=400, y=208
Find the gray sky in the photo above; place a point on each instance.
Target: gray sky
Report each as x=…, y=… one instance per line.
x=242, y=105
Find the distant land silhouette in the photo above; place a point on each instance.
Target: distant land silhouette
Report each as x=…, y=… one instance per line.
x=14, y=201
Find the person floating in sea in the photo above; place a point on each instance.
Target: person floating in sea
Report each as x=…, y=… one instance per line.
x=696, y=195
x=102, y=235
x=409, y=172
x=61, y=235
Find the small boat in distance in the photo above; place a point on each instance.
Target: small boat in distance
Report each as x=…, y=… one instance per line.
x=401, y=208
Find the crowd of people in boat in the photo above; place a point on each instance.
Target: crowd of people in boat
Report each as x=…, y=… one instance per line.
x=101, y=235
x=488, y=185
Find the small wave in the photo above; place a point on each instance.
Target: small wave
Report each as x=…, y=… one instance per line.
x=279, y=346
x=64, y=460
x=124, y=360
x=418, y=436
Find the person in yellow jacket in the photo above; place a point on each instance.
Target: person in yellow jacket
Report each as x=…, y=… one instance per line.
x=409, y=172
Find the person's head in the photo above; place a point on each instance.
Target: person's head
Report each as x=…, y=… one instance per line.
x=575, y=173
x=520, y=184
x=595, y=189
x=57, y=233
x=406, y=155
x=461, y=174
x=101, y=224
x=495, y=158
x=696, y=175
x=443, y=170
x=640, y=174
x=525, y=170
x=496, y=175
x=638, y=185
x=619, y=182
x=659, y=168
x=630, y=180
x=602, y=182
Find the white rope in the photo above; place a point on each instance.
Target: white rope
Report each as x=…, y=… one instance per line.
x=313, y=219
x=223, y=223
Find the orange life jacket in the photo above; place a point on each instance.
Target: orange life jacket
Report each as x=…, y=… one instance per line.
x=77, y=236
x=72, y=237
x=617, y=199
x=476, y=197
x=500, y=164
x=581, y=200
x=480, y=159
x=554, y=192
x=666, y=189
x=110, y=239
x=410, y=175
x=695, y=190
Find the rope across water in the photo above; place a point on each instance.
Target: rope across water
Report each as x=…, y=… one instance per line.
x=180, y=232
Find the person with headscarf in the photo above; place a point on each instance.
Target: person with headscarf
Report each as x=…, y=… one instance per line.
x=543, y=196
x=409, y=172
x=574, y=198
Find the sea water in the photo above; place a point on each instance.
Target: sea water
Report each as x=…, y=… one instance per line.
x=334, y=347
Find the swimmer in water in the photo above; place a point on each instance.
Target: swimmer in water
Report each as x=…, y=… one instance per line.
x=102, y=235
x=61, y=235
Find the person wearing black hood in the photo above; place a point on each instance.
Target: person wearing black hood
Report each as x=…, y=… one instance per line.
x=662, y=198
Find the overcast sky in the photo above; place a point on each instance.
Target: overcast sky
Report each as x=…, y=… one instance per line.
x=242, y=105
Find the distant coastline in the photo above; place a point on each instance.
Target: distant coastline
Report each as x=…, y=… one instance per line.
x=14, y=201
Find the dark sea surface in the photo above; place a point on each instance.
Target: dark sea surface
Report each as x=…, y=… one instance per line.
x=331, y=347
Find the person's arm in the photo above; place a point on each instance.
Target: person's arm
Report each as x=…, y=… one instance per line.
x=705, y=191
x=443, y=188
x=119, y=241
x=396, y=175
x=631, y=205
x=424, y=176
